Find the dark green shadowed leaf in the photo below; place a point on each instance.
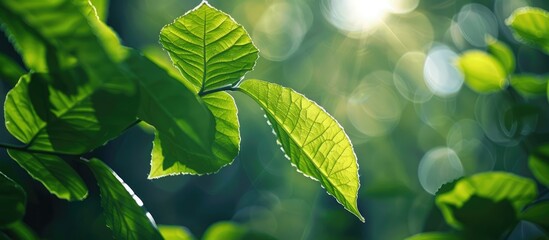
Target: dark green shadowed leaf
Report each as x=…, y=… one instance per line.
x=538, y=214
x=312, y=139
x=175, y=233
x=189, y=140
x=226, y=143
x=61, y=31
x=19, y=231
x=539, y=164
x=123, y=210
x=225, y=147
x=531, y=25
x=503, y=53
x=210, y=49
x=492, y=199
x=65, y=113
x=12, y=201
x=10, y=71
x=529, y=85
x=434, y=236
x=54, y=173
x=233, y=231
x=483, y=73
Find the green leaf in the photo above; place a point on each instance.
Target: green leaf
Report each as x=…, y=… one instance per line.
x=434, y=236
x=10, y=71
x=210, y=49
x=539, y=164
x=58, y=32
x=538, y=214
x=169, y=159
x=529, y=85
x=486, y=200
x=233, y=231
x=71, y=109
x=483, y=73
x=314, y=141
x=501, y=52
x=531, y=25
x=12, y=201
x=175, y=232
x=188, y=138
x=56, y=175
x=66, y=113
x=122, y=208
x=19, y=230
x=102, y=8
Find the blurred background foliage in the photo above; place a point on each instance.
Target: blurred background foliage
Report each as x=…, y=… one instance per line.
x=385, y=69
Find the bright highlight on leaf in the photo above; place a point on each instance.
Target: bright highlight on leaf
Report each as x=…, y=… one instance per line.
x=52, y=171
x=210, y=49
x=531, y=25
x=313, y=140
x=483, y=73
x=12, y=201
x=123, y=210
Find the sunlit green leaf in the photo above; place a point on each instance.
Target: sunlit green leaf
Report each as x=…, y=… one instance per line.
x=539, y=164
x=52, y=171
x=538, y=214
x=531, y=25
x=483, y=73
x=529, y=85
x=122, y=208
x=12, y=201
x=434, y=236
x=503, y=53
x=313, y=140
x=10, y=71
x=492, y=199
x=233, y=231
x=175, y=233
x=65, y=113
x=210, y=49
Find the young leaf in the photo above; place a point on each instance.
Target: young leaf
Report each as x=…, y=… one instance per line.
x=56, y=175
x=501, y=52
x=483, y=73
x=175, y=233
x=12, y=201
x=434, y=236
x=102, y=8
x=10, y=71
x=168, y=159
x=66, y=113
x=531, y=25
x=315, y=143
x=500, y=194
x=538, y=214
x=529, y=85
x=539, y=164
x=210, y=49
x=122, y=208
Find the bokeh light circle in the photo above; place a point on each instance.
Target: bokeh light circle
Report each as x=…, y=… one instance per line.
x=441, y=75
x=475, y=21
x=437, y=167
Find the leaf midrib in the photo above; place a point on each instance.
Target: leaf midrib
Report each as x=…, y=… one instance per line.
x=264, y=106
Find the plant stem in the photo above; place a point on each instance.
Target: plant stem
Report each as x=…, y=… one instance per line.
x=226, y=88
